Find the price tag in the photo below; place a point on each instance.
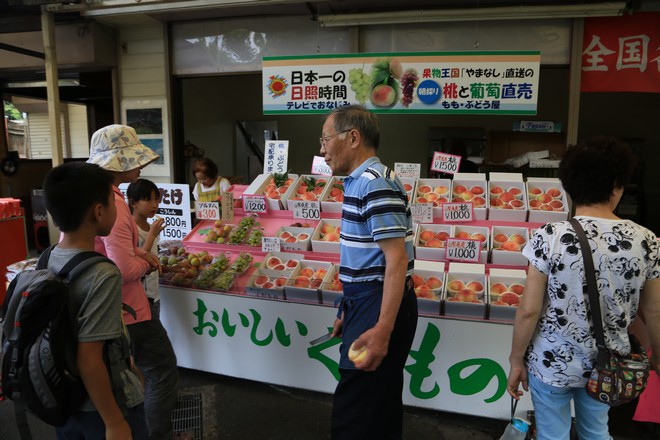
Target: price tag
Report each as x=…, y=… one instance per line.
x=207, y=210
x=254, y=203
x=407, y=169
x=270, y=244
x=445, y=163
x=307, y=209
x=320, y=167
x=457, y=212
x=227, y=206
x=466, y=251
x=422, y=212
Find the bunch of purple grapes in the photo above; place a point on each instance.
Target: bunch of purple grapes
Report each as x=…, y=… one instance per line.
x=408, y=82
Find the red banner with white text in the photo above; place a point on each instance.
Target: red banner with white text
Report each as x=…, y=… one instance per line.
x=622, y=54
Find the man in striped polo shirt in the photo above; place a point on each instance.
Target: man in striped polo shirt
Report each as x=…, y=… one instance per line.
x=379, y=310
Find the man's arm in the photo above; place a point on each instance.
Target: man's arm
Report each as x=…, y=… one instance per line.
x=377, y=338
x=650, y=305
x=527, y=317
x=94, y=374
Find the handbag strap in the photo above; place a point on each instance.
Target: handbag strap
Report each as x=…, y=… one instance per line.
x=592, y=289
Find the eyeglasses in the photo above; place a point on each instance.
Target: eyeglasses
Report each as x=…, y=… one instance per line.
x=324, y=139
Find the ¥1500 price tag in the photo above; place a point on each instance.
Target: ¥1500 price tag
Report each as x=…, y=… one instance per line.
x=421, y=212
x=270, y=244
x=445, y=163
x=207, y=210
x=466, y=251
x=254, y=203
x=306, y=209
x=457, y=212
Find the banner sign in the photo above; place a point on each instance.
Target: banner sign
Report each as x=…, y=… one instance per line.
x=621, y=54
x=499, y=82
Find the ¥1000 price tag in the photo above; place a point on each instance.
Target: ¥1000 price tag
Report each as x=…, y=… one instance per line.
x=466, y=251
x=445, y=163
x=421, y=212
x=307, y=209
x=457, y=212
x=270, y=244
x=254, y=203
x=207, y=210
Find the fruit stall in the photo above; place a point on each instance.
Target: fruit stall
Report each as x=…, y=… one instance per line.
x=233, y=308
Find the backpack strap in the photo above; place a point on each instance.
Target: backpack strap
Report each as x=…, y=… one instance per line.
x=80, y=262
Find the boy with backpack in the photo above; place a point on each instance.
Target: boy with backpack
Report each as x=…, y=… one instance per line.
x=80, y=199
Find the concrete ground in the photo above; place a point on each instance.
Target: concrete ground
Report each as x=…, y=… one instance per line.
x=246, y=410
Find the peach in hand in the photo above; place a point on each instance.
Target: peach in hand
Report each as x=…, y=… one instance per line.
x=356, y=355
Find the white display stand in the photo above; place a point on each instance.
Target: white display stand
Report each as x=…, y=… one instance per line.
x=454, y=365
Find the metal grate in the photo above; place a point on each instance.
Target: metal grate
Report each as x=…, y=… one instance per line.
x=187, y=417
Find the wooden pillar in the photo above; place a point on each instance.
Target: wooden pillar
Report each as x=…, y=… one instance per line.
x=575, y=74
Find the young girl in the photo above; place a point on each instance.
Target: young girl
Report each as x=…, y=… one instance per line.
x=209, y=185
x=143, y=197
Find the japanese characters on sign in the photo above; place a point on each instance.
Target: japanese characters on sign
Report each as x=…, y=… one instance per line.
x=227, y=206
x=307, y=209
x=207, y=210
x=621, y=54
x=421, y=212
x=465, y=251
x=276, y=157
x=255, y=203
x=320, y=167
x=457, y=212
x=445, y=163
x=270, y=244
x=449, y=82
x=173, y=207
x=407, y=169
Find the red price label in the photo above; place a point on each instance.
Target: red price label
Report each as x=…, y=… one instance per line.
x=254, y=203
x=457, y=212
x=466, y=251
x=446, y=163
x=207, y=210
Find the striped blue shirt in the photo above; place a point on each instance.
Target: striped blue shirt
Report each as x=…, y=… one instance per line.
x=375, y=208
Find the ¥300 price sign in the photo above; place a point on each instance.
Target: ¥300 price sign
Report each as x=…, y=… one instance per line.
x=306, y=209
x=465, y=251
x=457, y=212
x=207, y=210
x=445, y=163
x=253, y=203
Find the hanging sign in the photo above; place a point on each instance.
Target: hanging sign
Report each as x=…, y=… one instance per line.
x=457, y=212
x=320, y=167
x=497, y=82
x=276, y=156
x=407, y=169
x=255, y=203
x=465, y=251
x=620, y=54
x=445, y=163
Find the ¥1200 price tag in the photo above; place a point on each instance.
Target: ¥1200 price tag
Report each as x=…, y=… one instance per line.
x=270, y=244
x=307, y=209
x=457, y=212
x=421, y=212
x=254, y=203
x=445, y=163
x=466, y=251
x=207, y=210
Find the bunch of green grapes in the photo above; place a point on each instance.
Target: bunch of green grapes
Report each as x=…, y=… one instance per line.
x=360, y=84
x=254, y=239
x=237, y=235
x=206, y=277
x=220, y=262
x=241, y=263
x=224, y=281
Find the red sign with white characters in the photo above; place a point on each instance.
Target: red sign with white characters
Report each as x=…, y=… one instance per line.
x=622, y=54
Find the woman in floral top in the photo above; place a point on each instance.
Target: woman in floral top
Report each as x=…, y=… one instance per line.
x=553, y=340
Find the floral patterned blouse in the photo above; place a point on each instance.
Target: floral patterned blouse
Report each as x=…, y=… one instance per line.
x=626, y=255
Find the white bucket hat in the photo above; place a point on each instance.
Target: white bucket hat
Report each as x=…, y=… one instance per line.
x=118, y=148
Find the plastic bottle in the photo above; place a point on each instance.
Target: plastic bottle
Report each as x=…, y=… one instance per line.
x=516, y=430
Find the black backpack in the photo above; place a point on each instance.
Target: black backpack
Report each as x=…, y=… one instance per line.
x=39, y=343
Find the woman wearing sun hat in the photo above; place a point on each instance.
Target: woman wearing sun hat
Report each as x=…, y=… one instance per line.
x=117, y=149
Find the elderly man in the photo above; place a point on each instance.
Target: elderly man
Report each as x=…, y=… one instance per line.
x=378, y=313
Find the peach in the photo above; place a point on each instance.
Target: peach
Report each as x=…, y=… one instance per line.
x=417, y=280
x=477, y=190
x=518, y=238
x=454, y=299
x=331, y=237
x=426, y=235
x=307, y=272
x=319, y=274
x=260, y=280
x=302, y=189
x=517, y=288
x=497, y=288
x=441, y=200
x=268, y=285
x=555, y=193
x=557, y=205
x=510, y=298
x=279, y=267
x=280, y=282
x=315, y=283
x=516, y=192
x=273, y=262
x=435, y=243
x=339, y=198
x=290, y=264
x=422, y=200
x=282, y=189
x=357, y=355
x=309, y=196
x=463, y=235
x=423, y=189
x=334, y=192
x=496, y=191
x=455, y=285
x=500, y=238
x=327, y=228
x=466, y=295
x=479, y=201
x=423, y=291
x=434, y=282
x=496, y=203
x=406, y=186
x=499, y=303
x=506, y=206
x=459, y=189
x=284, y=235
x=291, y=239
x=273, y=195
x=431, y=197
x=301, y=281
x=517, y=204
x=507, y=196
x=318, y=190
x=441, y=190
x=535, y=204
x=535, y=191
x=478, y=236
x=467, y=195
x=475, y=286
x=442, y=235
x=302, y=236
x=511, y=246
x=546, y=207
x=544, y=198
x=458, y=200
x=270, y=187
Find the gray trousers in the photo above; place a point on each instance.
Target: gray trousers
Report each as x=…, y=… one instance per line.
x=155, y=357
